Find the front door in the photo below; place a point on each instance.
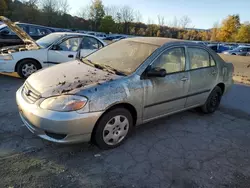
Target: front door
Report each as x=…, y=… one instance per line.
x=168, y=94
x=65, y=51
x=203, y=76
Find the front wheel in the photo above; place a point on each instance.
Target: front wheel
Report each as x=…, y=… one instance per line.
x=113, y=128
x=27, y=67
x=213, y=101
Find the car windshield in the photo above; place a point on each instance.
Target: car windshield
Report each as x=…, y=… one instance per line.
x=46, y=41
x=124, y=56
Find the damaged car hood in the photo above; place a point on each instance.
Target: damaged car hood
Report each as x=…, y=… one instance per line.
x=68, y=78
x=19, y=32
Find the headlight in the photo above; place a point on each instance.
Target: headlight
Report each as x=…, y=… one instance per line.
x=6, y=57
x=64, y=103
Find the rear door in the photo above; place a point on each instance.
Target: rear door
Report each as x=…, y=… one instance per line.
x=203, y=75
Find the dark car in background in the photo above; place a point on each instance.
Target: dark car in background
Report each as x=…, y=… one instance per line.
x=9, y=38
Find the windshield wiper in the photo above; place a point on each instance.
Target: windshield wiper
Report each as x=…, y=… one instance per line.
x=103, y=67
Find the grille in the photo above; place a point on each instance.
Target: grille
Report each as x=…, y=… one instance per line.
x=30, y=94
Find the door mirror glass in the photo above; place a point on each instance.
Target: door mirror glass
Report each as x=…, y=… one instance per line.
x=156, y=72
x=55, y=47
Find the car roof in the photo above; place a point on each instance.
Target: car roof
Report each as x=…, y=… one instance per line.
x=73, y=34
x=157, y=41
x=18, y=23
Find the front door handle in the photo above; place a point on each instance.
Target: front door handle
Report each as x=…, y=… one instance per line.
x=71, y=56
x=184, y=79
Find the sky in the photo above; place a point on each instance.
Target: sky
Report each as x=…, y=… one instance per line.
x=203, y=13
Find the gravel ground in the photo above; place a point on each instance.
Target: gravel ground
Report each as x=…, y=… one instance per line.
x=186, y=150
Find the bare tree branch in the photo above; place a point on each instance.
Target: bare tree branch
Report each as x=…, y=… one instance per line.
x=138, y=16
x=161, y=20
x=64, y=6
x=127, y=14
x=185, y=21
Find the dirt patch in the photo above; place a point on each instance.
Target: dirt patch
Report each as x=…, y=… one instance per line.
x=31, y=171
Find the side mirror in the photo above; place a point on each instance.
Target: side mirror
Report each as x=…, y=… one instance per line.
x=4, y=32
x=55, y=47
x=156, y=72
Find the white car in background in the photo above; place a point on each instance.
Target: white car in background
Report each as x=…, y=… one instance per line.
x=52, y=49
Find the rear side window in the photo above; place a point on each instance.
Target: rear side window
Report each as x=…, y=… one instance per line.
x=38, y=31
x=200, y=58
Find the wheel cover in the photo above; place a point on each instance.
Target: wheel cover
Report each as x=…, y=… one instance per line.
x=215, y=101
x=115, y=130
x=28, y=69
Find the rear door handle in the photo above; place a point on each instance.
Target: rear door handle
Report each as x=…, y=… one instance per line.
x=71, y=56
x=184, y=79
x=213, y=72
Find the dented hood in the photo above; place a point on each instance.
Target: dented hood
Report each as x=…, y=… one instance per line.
x=68, y=78
x=19, y=32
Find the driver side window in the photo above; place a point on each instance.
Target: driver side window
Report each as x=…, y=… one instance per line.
x=172, y=60
x=71, y=44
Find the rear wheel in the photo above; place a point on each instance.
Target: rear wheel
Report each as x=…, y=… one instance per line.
x=113, y=128
x=213, y=101
x=27, y=67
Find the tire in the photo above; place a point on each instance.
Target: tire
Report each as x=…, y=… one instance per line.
x=27, y=67
x=233, y=54
x=213, y=101
x=109, y=132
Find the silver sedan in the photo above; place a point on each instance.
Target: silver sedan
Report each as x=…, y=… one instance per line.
x=102, y=97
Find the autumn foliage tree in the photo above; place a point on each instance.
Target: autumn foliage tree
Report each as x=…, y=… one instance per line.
x=229, y=28
x=243, y=34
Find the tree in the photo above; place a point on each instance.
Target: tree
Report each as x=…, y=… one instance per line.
x=138, y=16
x=84, y=12
x=214, y=32
x=158, y=33
x=184, y=22
x=96, y=13
x=50, y=10
x=3, y=7
x=107, y=24
x=174, y=23
x=111, y=11
x=63, y=6
x=243, y=34
x=127, y=16
x=229, y=28
x=161, y=20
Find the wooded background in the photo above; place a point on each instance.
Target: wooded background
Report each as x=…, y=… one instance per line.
x=122, y=20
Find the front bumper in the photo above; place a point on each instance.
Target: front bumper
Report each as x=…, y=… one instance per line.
x=59, y=127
